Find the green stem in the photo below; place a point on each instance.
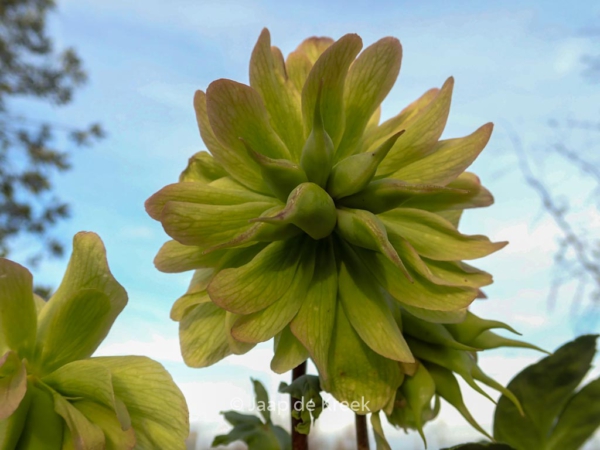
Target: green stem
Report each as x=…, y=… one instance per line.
x=299, y=440
x=362, y=435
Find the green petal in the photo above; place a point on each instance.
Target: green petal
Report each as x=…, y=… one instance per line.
x=185, y=302
x=116, y=437
x=237, y=347
x=381, y=442
x=208, y=225
x=420, y=293
x=263, y=325
x=314, y=47
x=17, y=309
x=330, y=69
x=11, y=427
x=75, y=330
x=418, y=390
x=87, y=270
x=202, y=335
x=365, y=306
x=359, y=376
x=476, y=196
x=445, y=317
x=369, y=81
x=434, y=333
x=85, y=435
x=88, y=380
x=459, y=273
x=159, y=414
x=289, y=352
x=205, y=194
x=202, y=168
x=422, y=133
x=43, y=427
x=447, y=160
x=453, y=216
x=261, y=282
x=488, y=340
x=376, y=135
x=281, y=99
x=235, y=160
x=313, y=325
x=174, y=257
x=236, y=110
x=473, y=326
x=435, y=237
x=13, y=384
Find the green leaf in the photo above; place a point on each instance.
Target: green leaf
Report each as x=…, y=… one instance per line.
x=74, y=330
x=435, y=237
x=87, y=270
x=159, y=413
x=13, y=384
x=422, y=134
x=85, y=435
x=43, y=427
x=579, y=420
x=263, y=325
x=381, y=442
x=116, y=437
x=481, y=446
x=208, y=225
x=203, y=336
x=330, y=70
x=313, y=325
x=289, y=352
x=238, y=111
x=369, y=81
x=262, y=400
x=544, y=389
x=447, y=160
x=367, y=310
x=261, y=282
x=202, y=168
x=204, y=194
x=235, y=160
x=307, y=389
x=281, y=99
x=90, y=381
x=17, y=309
x=363, y=379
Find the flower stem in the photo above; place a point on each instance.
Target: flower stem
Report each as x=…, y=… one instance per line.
x=299, y=440
x=362, y=435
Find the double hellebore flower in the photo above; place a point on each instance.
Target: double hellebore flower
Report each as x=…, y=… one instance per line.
x=53, y=396
x=313, y=223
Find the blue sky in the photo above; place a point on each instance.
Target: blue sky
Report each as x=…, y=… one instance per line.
x=515, y=62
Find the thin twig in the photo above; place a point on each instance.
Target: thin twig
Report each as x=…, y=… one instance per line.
x=362, y=434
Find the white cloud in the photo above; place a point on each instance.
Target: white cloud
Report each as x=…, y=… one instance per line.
x=158, y=348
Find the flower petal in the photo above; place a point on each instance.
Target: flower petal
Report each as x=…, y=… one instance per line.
x=313, y=325
x=208, y=225
x=237, y=163
x=363, y=379
x=84, y=434
x=281, y=99
x=263, y=325
x=43, y=427
x=116, y=437
x=447, y=160
x=422, y=132
x=174, y=257
x=430, y=315
x=202, y=335
x=236, y=110
x=259, y=283
x=289, y=352
x=13, y=384
x=434, y=237
x=369, y=81
x=202, y=168
x=365, y=306
x=204, y=194
x=18, y=320
x=159, y=413
x=330, y=70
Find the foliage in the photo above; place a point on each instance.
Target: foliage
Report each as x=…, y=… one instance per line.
x=256, y=433
x=307, y=390
x=556, y=417
x=30, y=151
x=54, y=396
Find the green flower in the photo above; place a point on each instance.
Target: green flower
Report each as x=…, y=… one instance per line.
x=312, y=223
x=53, y=395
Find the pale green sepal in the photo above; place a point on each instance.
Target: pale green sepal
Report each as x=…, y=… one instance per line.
x=479, y=375
x=473, y=326
x=185, y=302
x=488, y=340
x=85, y=435
x=434, y=333
x=418, y=390
x=116, y=437
x=237, y=347
x=381, y=442
x=354, y=173
x=43, y=428
x=13, y=383
x=17, y=309
x=444, y=317
x=202, y=168
x=174, y=257
x=11, y=427
x=159, y=413
x=308, y=207
x=289, y=352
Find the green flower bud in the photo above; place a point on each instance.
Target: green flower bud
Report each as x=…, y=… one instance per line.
x=54, y=395
x=353, y=174
x=318, y=150
x=308, y=207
